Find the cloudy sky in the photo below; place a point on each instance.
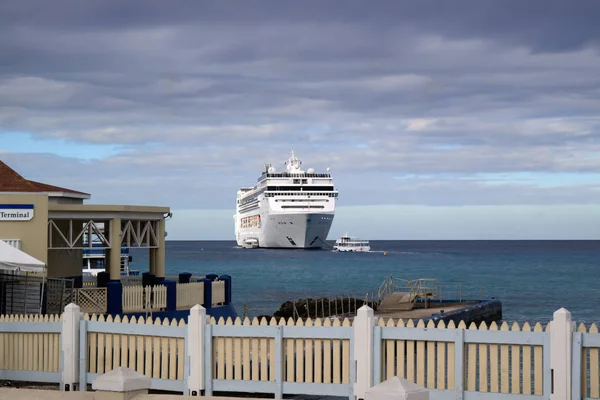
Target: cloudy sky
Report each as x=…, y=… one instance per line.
x=439, y=119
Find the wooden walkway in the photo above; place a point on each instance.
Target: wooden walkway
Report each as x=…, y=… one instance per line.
x=398, y=301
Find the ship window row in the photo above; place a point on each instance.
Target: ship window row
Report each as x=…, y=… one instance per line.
x=352, y=244
x=248, y=209
x=307, y=206
x=250, y=198
x=249, y=203
x=302, y=200
x=288, y=175
x=306, y=189
x=254, y=198
x=250, y=222
x=300, y=194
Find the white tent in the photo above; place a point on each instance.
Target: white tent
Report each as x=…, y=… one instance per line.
x=13, y=259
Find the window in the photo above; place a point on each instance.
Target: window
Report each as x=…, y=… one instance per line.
x=250, y=222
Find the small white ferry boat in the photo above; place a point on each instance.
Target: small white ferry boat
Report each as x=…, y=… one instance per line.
x=347, y=243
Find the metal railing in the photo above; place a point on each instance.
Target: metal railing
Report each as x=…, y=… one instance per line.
x=417, y=288
x=429, y=288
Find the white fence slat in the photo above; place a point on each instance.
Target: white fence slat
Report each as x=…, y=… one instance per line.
x=537, y=365
x=515, y=369
x=504, y=364
x=441, y=361
x=308, y=345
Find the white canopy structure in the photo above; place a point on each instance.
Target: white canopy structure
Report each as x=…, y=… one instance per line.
x=13, y=259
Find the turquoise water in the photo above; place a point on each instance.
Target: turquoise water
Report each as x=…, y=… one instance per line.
x=532, y=278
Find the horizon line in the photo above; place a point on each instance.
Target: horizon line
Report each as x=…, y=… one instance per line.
x=416, y=240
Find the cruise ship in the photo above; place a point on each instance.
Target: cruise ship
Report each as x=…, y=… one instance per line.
x=291, y=209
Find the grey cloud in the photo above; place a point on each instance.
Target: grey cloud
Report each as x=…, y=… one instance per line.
x=192, y=90
x=543, y=25
x=208, y=182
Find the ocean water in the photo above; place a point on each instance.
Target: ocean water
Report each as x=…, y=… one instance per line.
x=531, y=278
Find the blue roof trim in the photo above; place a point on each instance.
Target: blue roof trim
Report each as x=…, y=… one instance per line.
x=17, y=206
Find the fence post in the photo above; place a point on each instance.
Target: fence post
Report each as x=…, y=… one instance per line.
x=207, y=292
x=70, y=347
x=195, y=337
x=364, y=324
x=227, y=280
x=561, y=345
x=171, y=287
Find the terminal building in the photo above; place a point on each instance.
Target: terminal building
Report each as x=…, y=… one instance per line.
x=54, y=226
x=50, y=223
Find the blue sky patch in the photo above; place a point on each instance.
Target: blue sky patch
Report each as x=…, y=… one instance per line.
x=22, y=142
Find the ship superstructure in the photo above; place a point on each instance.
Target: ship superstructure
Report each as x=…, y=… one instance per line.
x=291, y=209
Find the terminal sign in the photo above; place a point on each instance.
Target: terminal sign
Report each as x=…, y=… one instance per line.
x=16, y=212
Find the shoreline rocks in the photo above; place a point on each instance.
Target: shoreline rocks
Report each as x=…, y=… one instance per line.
x=319, y=308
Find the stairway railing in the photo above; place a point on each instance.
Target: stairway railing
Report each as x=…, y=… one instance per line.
x=417, y=288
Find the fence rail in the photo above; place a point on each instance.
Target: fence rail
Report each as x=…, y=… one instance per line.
x=328, y=356
x=30, y=348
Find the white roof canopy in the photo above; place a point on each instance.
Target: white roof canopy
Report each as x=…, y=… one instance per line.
x=13, y=259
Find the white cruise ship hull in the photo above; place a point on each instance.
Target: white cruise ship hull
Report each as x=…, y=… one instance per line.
x=293, y=231
x=292, y=209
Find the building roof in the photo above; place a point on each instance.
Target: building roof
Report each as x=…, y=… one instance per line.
x=11, y=181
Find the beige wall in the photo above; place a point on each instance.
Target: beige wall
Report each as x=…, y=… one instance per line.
x=64, y=263
x=32, y=234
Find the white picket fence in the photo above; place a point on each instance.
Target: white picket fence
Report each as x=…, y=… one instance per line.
x=321, y=357
x=516, y=367
x=137, y=298
x=30, y=348
x=218, y=292
x=190, y=294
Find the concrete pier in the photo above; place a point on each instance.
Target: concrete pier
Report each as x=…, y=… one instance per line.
x=447, y=310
